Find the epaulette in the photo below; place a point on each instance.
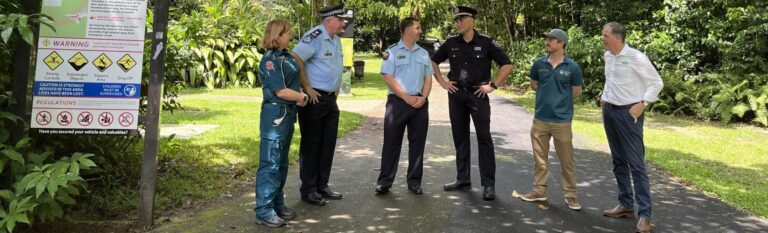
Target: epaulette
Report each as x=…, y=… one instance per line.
x=385, y=55
x=311, y=36
x=451, y=37
x=486, y=36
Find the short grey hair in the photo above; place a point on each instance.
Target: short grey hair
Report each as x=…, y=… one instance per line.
x=617, y=29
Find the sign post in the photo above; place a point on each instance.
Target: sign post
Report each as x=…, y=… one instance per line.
x=156, y=76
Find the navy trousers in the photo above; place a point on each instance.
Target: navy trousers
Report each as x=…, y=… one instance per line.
x=625, y=138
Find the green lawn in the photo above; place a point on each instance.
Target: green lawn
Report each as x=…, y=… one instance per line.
x=727, y=161
x=209, y=165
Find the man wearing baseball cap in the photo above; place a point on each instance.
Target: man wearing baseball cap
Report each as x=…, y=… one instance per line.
x=557, y=81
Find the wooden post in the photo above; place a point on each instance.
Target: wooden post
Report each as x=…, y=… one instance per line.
x=156, y=75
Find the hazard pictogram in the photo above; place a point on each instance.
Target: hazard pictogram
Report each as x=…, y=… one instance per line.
x=78, y=61
x=125, y=119
x=105, y=119
x=85, y=118
x=126, y=62
x=53, y=60
x=43, y=118
x=64, y=118
x=102, y=62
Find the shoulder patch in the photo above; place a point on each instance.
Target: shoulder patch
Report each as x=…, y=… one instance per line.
x=385, y=55
x=311, y=36
x=270, y=65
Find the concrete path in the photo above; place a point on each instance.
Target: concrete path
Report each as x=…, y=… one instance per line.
x=355, y=169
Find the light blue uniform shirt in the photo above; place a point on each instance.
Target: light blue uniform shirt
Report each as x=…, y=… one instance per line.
x=408, y=67
x=323, y=60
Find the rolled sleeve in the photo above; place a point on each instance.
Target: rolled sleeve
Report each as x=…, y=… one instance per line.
x=650, y=77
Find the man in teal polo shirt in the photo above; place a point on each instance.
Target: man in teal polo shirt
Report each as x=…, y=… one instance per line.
x=557, y=81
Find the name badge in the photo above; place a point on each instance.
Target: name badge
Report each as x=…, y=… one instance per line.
x=478, y=48
x=328, y=53
x=400, y=56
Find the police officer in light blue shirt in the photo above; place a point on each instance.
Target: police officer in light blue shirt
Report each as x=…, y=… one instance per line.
x=318, y=54
x=407, y=70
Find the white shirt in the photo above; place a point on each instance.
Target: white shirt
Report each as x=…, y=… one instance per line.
x=630, y=78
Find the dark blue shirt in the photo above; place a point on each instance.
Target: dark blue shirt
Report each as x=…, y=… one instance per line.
x=554, y=97
x=278, y=70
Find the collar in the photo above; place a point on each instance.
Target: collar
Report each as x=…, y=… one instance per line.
x=566, y=59
x=325, y=32
x=624, y=51
x=275, y=52
x=474, y=36
x=401, y=45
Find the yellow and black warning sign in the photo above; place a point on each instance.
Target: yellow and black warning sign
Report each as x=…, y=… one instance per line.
x=78, y=61
x=126, y=62
x=53, y=60
x=102, y=62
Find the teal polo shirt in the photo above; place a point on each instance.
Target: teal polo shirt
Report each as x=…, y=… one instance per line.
x=554, y=98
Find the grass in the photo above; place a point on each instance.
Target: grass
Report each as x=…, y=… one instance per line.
x=726, y=161
x=370, y=87
x=205, y=167
x=217, y=162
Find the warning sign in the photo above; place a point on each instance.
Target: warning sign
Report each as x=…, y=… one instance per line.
x=125, y=119
x=64, y=118
x=85, y=118
x=43, y=118
x=53, y=60
x=126, y=62
x=102, y=62
x=78, y=61
x=105, y=119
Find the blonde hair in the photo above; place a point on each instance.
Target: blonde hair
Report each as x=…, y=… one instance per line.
x=275, y=29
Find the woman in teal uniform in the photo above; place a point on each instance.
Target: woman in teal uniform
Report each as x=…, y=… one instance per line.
x=282, y=95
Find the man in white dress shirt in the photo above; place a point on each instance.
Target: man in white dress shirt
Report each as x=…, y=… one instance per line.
x=631, y=83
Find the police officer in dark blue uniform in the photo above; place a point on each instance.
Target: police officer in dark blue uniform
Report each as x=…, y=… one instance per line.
x=320, y=58
x=470, y=55
x=282, y=94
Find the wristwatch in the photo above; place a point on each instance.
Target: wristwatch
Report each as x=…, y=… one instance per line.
x=494, y=85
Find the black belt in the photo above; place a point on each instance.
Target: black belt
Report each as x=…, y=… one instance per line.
x=613, y=106
x=321, y=92
x=467, y=88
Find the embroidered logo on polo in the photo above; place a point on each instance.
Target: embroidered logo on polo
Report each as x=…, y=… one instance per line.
x=270, y=65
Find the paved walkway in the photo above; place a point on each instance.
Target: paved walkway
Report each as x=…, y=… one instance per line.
x=355, y=169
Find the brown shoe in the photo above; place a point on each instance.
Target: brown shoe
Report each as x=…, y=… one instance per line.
x=643, y=225
x=533, y=196
x=619, y=212
x=572, y=203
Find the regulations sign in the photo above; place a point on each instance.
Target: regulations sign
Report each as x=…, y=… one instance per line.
x=89, y=68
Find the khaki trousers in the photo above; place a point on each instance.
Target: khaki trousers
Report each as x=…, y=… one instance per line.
x=541, y=132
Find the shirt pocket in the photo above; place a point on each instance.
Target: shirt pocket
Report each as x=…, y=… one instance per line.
x=401, y=63
x=622, y=73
